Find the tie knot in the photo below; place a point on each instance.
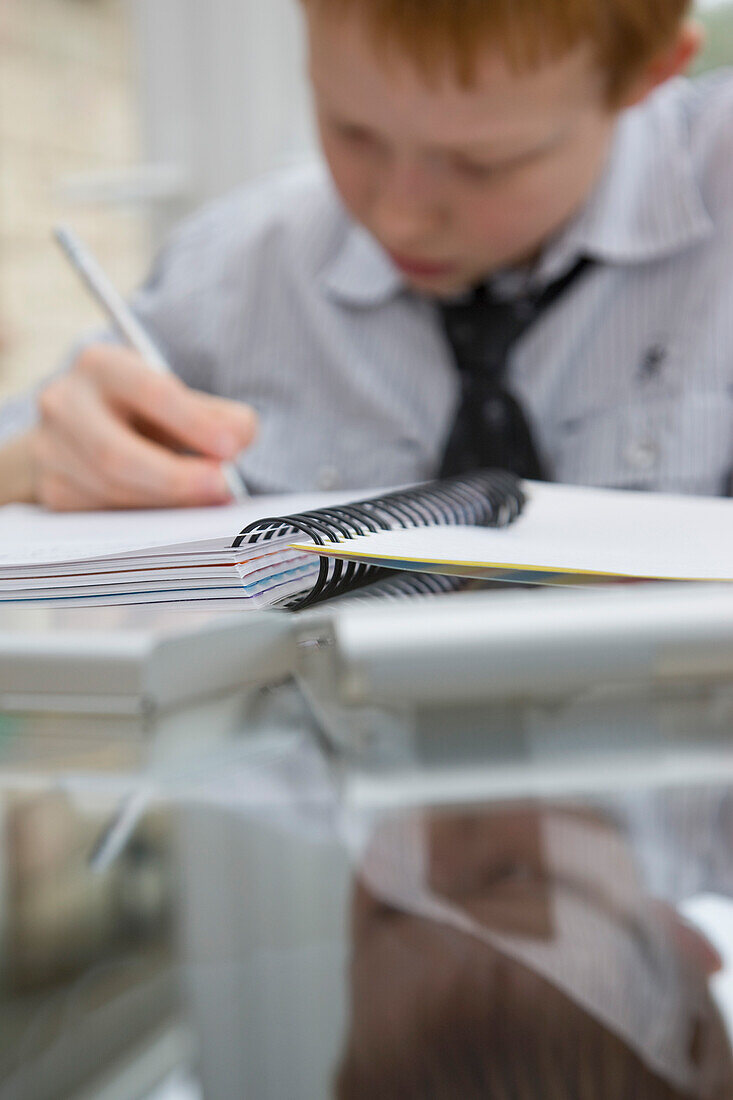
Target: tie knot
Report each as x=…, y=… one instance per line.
x=483, y=328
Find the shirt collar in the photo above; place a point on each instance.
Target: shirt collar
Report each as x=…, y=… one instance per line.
x=647, y=206
x=361, y=273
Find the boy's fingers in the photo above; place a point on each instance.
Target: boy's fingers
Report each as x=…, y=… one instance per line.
x=60, y=470
x=58, y=493
x=133, y=471
x=200, y=422
x=67, y=481
x=237, y=422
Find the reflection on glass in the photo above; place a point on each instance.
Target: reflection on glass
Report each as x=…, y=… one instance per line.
x=87, y=959
x=515, y=954
x=495, y=952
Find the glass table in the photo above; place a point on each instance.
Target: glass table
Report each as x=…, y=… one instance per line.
x=292, y=916
x=257, y=937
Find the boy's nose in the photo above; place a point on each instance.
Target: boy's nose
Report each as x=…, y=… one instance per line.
x=406, y=210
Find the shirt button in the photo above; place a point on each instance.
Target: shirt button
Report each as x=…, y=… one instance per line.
x=328, y=478
x=642, y=455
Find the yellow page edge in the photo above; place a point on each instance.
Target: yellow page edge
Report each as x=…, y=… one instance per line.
x=355, y=555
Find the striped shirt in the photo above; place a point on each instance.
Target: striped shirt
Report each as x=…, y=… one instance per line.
x=275, y=297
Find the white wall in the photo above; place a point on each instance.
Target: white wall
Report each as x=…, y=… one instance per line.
x=222, y=90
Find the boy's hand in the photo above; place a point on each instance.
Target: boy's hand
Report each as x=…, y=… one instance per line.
x=111, y=435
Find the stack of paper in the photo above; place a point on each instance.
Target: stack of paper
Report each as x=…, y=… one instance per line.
x=171, y=556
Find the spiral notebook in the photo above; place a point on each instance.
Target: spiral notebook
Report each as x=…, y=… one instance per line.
x=235, y=556
x=567, y=535
x=426, y=538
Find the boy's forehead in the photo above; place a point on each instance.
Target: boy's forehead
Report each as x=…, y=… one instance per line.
x=349, y=78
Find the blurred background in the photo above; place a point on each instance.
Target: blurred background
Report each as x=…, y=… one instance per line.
x=121, y=115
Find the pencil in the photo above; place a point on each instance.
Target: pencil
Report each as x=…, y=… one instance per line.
x=124, y=320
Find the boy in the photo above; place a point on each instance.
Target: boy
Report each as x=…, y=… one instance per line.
x=540, y=149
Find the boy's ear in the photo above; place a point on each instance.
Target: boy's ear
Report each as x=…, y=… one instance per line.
x=671, y=61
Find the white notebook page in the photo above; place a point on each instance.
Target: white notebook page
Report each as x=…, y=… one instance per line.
x=580, y=530
x=34, y=536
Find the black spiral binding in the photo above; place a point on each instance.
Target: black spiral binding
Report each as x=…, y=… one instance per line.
x=487, y=498
x=399, y=585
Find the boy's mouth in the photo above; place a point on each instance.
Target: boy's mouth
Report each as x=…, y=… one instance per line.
x=422, y=269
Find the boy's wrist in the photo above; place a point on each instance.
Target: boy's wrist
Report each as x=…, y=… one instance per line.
x=16, y=471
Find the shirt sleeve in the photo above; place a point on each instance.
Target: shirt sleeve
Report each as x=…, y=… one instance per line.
x=200, y=300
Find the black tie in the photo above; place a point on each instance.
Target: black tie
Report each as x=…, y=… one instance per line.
x=490, y=427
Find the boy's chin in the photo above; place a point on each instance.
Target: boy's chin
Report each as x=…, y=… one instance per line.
x=444, y=286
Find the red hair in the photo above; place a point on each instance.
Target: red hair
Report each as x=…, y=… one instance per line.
x=626, y=34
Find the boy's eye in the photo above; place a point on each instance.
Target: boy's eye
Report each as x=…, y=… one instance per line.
x=356, y=135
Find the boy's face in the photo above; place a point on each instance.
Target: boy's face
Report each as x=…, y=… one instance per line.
x=456, y=182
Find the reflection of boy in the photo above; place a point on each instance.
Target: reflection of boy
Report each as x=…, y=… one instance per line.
x=528, y=962
x=466, y=140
